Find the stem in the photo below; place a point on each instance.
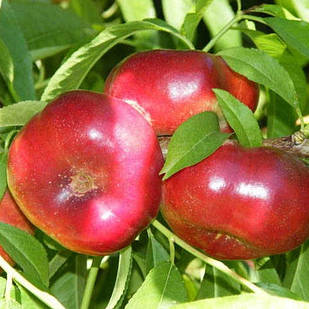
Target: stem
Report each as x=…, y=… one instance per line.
x=8, y=140
x=172, y=250
x=254, y=18
x=46, y=298
x=238, y=5
x=92, y=276
x=110, y=11
x=215, y=263
x=13, y=92
x=299, y=148
x=301, y=119
x=8, y=287
x=213, y=41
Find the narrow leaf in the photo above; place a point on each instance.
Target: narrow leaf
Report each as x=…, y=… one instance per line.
x=49, y=29
x=175, y=11
x=272, y=9
x=217, y=284
x=134, y=10
x=295, y=33
x=193, y=141
x=14, y=40
x=281, y=117
x=263, y=69
x=266, y=272
x=156, y=254
x=70, y=75
x=6, y=64
x=277, y=290
x=240, y=118
x=27, y=252
x=122, y=279
x=57, y=261
x=297, y=273
x=20, y=113
x=28, y=300
x=270, y=43
x=69, y=286
x=162, y=288
x=193, y=19
x=301, y=8
x=245, y=301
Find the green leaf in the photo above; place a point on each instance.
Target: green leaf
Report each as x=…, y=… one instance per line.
x=72, y=72
x=20, y=113
x=263, y=69
x=272, y=9
x=156, y=253
x=28, y=300
x=193, y=141
x=245, y=301
x=240, y=118
x=14, y=40
x=122, y=279
x=297, y=76
x=266, y=272
x=193, y=19
x=162, y=288
x=69, y=286
x=271, y=44
x=134, y=10
x=3, y=180
x=6, y=64
x=58, y=261
x=297, y=273
x=217, y=284
x=281, y=117
x=27, y=252
x=175, y=11
x=14, y=293
x=294, y=33
x=88, y=10
x=9, y=304
x=277, y=290
x=300, y=8
x=217, y=15
x=47, y=28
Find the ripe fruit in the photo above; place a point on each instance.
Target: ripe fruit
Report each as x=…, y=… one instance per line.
x=11, y=214
x=169, y=86
x=85, y=171
x=240, y=203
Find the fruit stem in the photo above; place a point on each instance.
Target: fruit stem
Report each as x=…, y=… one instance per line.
x=215, y=263
x=92, y=276
x=46, y=298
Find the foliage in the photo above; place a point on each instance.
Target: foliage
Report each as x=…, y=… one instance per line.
x=47, y=48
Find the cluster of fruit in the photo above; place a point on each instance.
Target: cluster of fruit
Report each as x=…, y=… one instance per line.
x=86, y=169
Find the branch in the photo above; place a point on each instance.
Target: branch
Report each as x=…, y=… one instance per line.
x=296, y=144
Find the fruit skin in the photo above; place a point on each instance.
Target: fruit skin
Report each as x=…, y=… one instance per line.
x=240, y=203
x=169, y=86
x=85, y=171
x=11, y=214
